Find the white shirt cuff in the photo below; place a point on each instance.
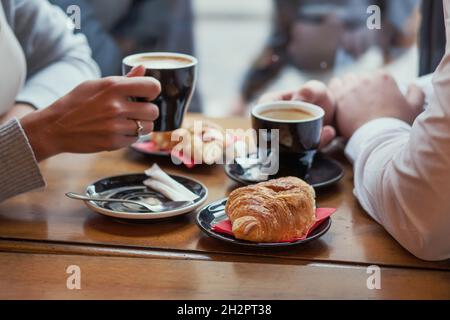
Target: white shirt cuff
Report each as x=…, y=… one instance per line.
x=370, y=131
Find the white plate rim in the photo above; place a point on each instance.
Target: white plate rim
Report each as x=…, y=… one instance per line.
x=150, y=216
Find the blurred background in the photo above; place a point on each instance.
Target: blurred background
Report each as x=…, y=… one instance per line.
x=246, y=48
x=231, y=34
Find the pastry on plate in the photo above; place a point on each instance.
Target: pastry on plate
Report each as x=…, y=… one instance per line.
x=273, y=211
x=204, y=141
x=163, y=140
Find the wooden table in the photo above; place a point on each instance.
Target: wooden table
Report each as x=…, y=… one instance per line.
x=43, y=231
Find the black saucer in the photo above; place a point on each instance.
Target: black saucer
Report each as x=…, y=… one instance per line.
x=131, y=187
x=324, y=173
x=215, y=212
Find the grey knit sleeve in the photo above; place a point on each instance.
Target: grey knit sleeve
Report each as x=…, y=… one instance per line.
x=19, y=171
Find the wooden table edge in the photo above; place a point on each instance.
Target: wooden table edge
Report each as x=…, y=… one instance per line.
x=45, y=276
x=64, y=248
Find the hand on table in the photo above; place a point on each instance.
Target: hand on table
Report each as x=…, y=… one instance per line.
x=96, y=116
x=352, y=101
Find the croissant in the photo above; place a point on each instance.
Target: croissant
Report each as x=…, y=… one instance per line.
x=273, y=211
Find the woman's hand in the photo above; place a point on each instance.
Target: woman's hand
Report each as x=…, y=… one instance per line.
x=96, y=116
x=314, y=92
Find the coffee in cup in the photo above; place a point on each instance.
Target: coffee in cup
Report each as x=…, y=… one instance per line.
x=177, y=74
x=300, y=126
x=286, y=114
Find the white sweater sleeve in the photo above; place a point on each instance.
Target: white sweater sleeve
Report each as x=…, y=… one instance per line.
x=402, y=173
x=57, y=59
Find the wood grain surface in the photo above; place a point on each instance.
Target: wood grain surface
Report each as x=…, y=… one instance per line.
x=31, y=276
x=49, y=218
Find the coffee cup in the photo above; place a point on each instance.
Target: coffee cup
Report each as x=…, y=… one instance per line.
x=177, y=74
x=299, y=126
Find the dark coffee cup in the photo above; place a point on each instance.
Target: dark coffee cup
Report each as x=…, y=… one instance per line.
x=300, y=126
x=177, y=74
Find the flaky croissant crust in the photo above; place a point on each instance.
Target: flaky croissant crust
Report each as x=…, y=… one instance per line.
x=272, y=211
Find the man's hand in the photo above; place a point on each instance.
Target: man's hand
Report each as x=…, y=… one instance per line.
x=362, y=99
x=314, y=92
x=238, y=107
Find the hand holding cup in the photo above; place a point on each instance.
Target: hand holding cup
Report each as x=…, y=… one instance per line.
x=314, y=92
x=96, y=116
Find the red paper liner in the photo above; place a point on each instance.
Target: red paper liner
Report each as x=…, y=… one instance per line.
x=225, y=227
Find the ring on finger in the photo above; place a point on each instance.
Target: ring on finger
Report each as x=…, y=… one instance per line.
x=139, y=128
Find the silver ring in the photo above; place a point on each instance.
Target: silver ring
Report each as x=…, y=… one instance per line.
x=139, y=128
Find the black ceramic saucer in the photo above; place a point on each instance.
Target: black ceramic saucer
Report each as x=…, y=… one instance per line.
x=324, y=173
x=215, y=212
x=131, y=187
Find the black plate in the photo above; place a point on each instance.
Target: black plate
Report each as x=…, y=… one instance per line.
x=131, y=187
x=214, y=212
x=324, y=173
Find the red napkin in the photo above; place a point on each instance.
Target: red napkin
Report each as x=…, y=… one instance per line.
x=188, y=162
x=322, y=214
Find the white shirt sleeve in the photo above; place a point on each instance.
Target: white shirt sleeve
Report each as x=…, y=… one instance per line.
x=402, y=173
